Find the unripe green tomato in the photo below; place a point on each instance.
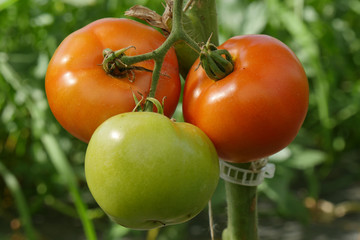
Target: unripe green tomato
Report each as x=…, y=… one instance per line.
x=146, y=171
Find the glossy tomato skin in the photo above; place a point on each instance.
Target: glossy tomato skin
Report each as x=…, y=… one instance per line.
x=146, y=171
x=81, y=95
x=256, y=110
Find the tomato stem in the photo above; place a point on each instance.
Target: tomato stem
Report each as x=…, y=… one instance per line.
x=114, y=66
x=241, y=210
x=177, y=34
x=199, y=22
x=121, y=65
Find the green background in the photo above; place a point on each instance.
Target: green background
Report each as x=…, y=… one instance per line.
x=315, y=191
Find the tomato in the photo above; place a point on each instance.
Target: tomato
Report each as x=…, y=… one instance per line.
x=146, y=171
x=256, y=110
x=81, y=95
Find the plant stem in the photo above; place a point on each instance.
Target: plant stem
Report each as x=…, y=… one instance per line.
x=211, y=220
x=242, y=212
x=177, y=15
x=199, y=22
x=154, y=82
x=152, y=234
x=177, y=34
x=203, y=16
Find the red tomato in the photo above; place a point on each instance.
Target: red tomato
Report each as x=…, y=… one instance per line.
x=82, y=96
x=256, y=110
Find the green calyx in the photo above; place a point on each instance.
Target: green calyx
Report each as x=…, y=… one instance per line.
x=114, y=66
x=217, y=63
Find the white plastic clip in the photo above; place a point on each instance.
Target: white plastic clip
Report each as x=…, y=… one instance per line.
x=246, y=177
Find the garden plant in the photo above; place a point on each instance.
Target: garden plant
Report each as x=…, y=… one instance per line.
x=162, y=115
x=246, y=98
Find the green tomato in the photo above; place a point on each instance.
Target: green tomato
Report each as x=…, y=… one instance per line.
x=146, y=171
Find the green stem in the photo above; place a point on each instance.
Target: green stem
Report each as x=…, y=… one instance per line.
x=199, y=22
x=177, y=15
x=129, y=60
x=152, y=234
x=177, y=34
x=203, y=14
x=242, y=211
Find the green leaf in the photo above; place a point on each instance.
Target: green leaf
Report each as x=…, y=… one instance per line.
x=80, y=3
x=278, y=189
x=116, y=232
x=237, y=17
x=306, y=159
x=14, y=186
x=6, y=3
x=60, y=162
x=255, y=25
x=281, y=156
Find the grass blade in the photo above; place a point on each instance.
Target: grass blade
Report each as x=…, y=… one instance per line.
x=14, y=186
x=56, y=154
x=61, y=164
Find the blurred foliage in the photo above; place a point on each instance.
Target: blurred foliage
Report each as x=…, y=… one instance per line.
x=43, y=185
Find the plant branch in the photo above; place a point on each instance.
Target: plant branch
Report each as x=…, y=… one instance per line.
x=177, y=34
x=241, y=210
x=187, y=48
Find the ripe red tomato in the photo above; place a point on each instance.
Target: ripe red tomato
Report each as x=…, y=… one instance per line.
x=256, y=110
x=82, y=96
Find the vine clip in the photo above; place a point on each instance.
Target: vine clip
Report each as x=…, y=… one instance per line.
x=247, y=177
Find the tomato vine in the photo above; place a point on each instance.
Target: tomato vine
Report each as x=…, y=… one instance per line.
x=177, y=34
x=217, y=65
x=248, y=128
x=214, y=63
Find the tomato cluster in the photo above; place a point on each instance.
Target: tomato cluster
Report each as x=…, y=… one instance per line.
x=144, y=169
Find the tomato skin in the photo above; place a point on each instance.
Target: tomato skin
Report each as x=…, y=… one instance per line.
x=146, y=171
x=256, y=110
x=81, y=95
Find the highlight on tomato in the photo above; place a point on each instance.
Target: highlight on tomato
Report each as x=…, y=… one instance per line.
x=256, y=110
x=82, y=95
